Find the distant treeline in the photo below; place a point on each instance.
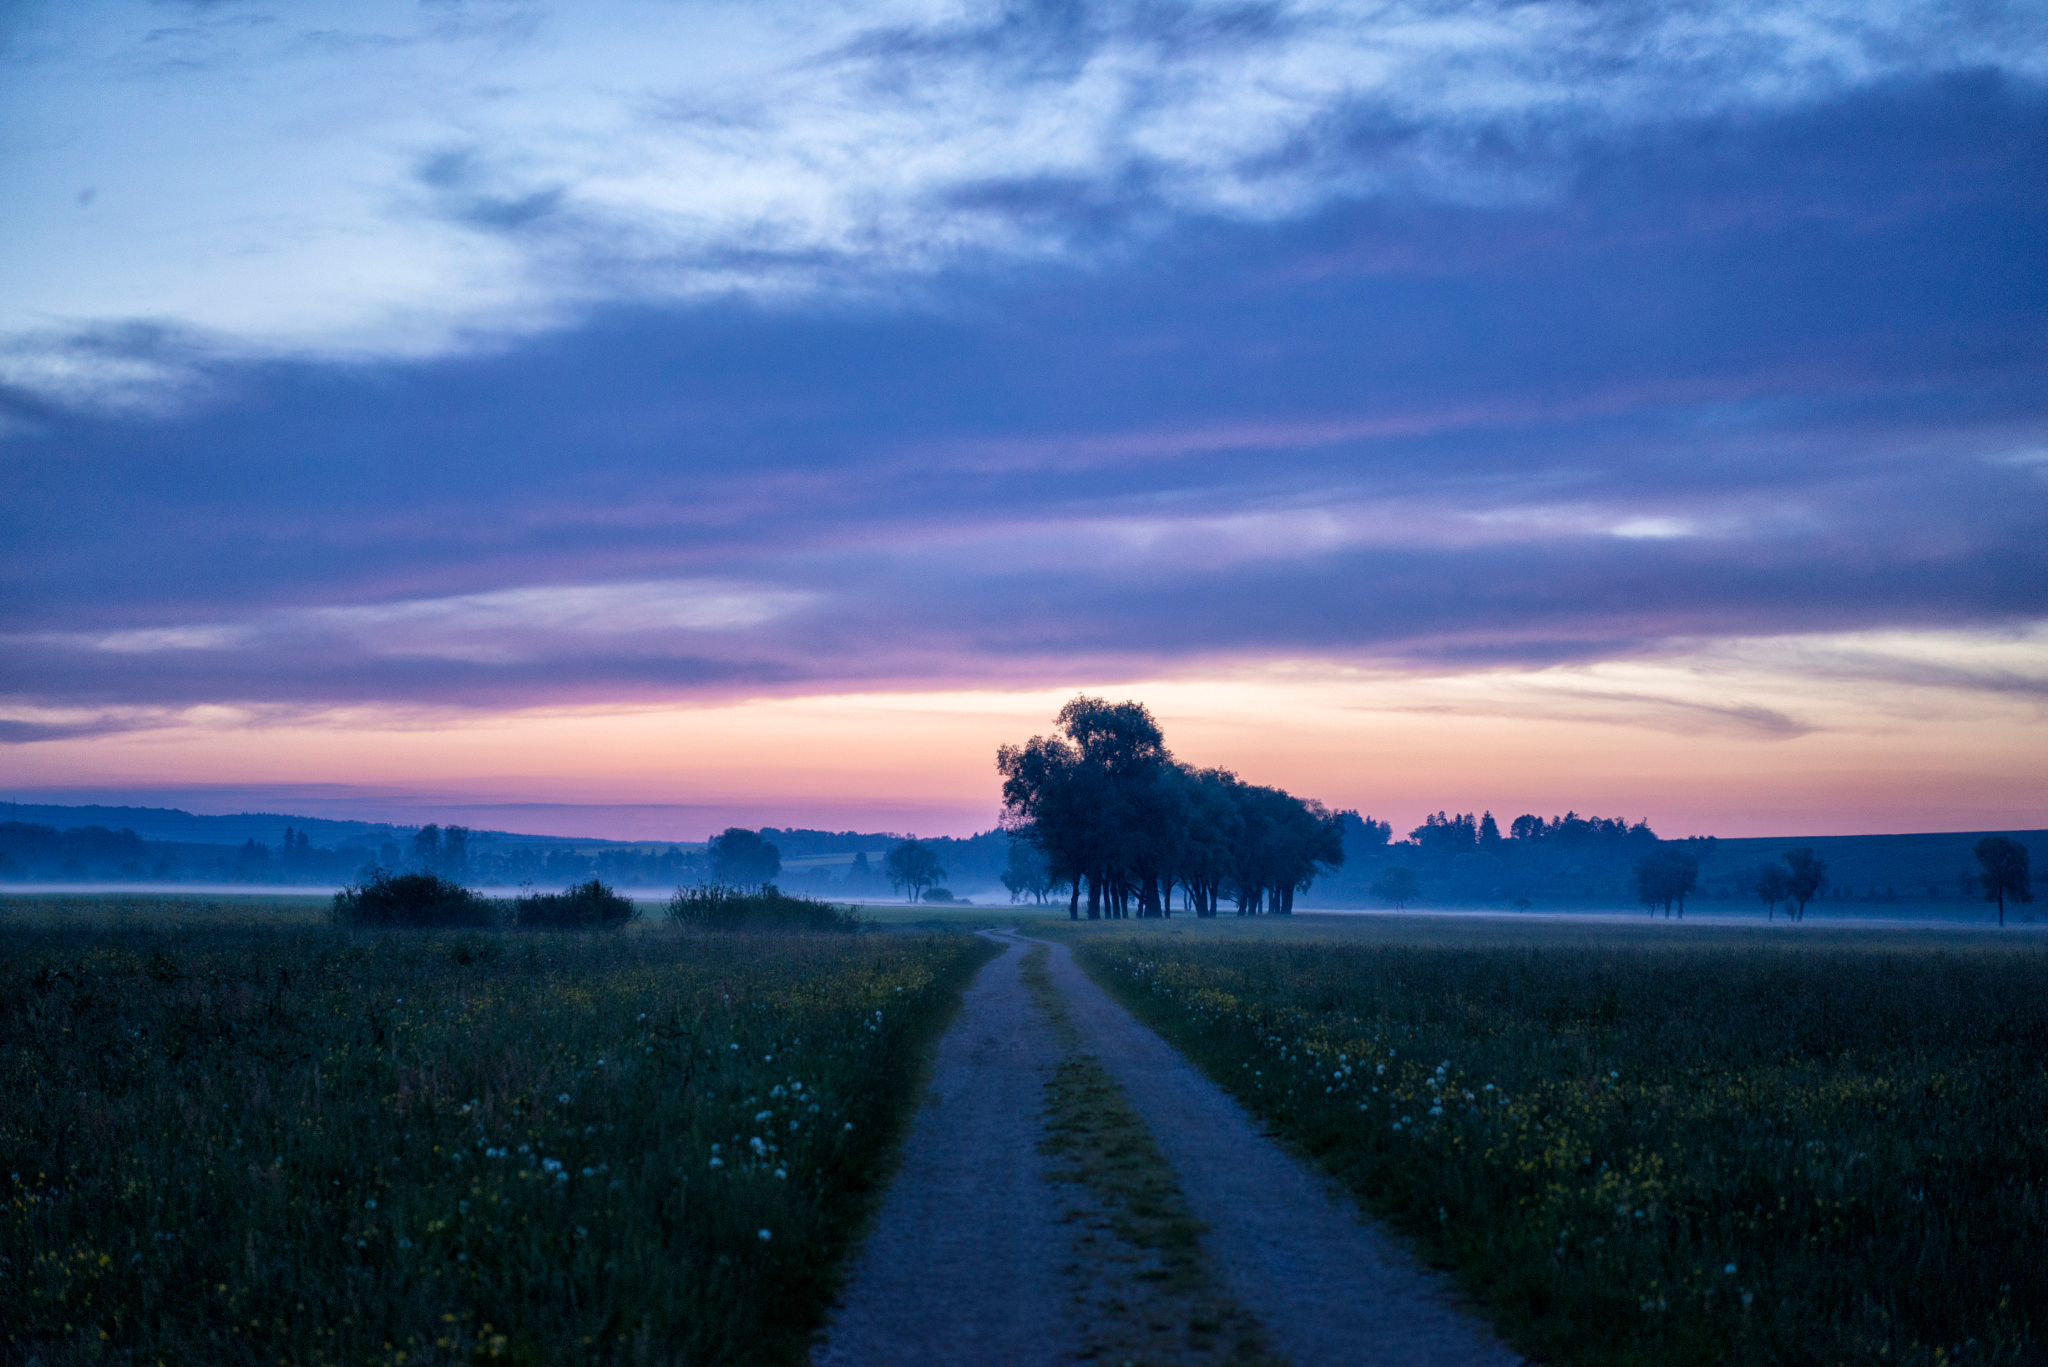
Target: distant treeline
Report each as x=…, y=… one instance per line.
x=1451, y=859
x=846, y=864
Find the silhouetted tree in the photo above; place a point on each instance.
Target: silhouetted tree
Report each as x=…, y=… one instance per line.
x=426, y=849
x=1027, y=874
x=1773, y=886
x=1397, y=885
x=2005, y=871
x=912, y=865
x=742, y=859
x=1665, y=877
x=1806, y=875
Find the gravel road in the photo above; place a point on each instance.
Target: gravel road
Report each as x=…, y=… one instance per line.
x=965, y=1263
x=1329, y=1286
x=971, y=1258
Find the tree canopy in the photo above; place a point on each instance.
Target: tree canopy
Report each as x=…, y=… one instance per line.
x=742, y=859
x=2006, y=873
x=1114, y=814
x=913, y=866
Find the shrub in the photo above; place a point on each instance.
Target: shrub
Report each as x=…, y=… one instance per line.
x=938, y=894
x=764, y=908
x=411, y=899
x=587, y=906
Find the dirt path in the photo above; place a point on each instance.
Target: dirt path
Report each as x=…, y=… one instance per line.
x=965, y=1261
x=1328, y=1286
x=985, y=1253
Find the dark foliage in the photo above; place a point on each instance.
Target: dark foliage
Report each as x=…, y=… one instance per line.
x=913, y=867
x=742, y=859
x=1114, y=813
x=764, y=908
x=587, y=906
x=2006, y=871
x=1666, y=877
x=407, y=900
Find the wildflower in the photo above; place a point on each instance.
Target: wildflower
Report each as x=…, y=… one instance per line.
x=1730, y=1269
x=370, y=1204
x=765, y=1236
x=563, y=1098
x=782, y=1172
x=716, y=1161
x=760, y=1116
x=760, y=1149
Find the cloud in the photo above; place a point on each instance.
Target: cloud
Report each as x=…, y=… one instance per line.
x=396, y=181
x=1753, y=375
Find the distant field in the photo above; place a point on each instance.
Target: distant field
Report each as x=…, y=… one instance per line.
x=232, y=1134
x=1651, y=1144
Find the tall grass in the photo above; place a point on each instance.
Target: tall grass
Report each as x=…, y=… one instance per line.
x=237, y=1143
x=1677, y=1157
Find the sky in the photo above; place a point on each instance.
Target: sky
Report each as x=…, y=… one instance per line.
x=631, y=418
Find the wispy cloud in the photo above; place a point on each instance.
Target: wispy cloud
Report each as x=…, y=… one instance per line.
x=390, y=180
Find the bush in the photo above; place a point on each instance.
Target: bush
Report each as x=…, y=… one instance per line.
x=938, y=895
x=587, y=906
x=411, y=899
x=763, y=908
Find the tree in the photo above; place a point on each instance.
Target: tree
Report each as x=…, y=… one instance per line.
x=426, y=848
x=742, y=859
x=1397, y=885
x=1773, y=885
x=1027, y=874
x=2005, y=871
x=912, y=865
x=1806, y=877
x=1664, y=878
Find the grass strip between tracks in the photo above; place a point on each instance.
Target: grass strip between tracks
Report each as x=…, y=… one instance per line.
x=1148, y=1294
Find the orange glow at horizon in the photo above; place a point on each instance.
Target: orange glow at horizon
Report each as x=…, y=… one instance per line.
x=1640, y=741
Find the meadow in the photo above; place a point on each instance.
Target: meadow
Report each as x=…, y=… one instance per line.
x=1646, y=1145
x=238, y=1135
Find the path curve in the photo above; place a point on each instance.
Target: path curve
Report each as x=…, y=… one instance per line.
x=1328, y=1286
x=965, y=1262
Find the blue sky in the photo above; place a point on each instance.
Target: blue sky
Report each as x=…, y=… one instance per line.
x=1670, y=371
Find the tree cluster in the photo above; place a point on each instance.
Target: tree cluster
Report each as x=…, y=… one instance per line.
x=1115, y=815
x=1795, y=882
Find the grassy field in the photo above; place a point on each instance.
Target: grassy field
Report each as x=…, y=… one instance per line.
x=240, y=1136
x=1651, y=1145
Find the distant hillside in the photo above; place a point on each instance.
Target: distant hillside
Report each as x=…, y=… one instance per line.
x=180, y=827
